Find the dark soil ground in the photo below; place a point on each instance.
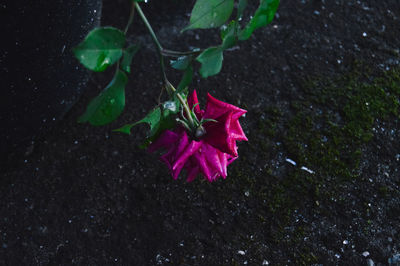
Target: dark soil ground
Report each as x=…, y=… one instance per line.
x=317, y=183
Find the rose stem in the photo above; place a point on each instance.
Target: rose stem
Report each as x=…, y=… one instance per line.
x=159, y=50
x=128, y=24
x=130, y=20
x=155, y=40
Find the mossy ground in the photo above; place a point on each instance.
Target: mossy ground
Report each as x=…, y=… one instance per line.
x=326, y=130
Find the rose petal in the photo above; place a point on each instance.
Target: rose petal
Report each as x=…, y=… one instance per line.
x=163, y=141
x=192, y=100
x=191, y=148
x=213, y=159
x=214, y=152
x=173, y=153
x=182, y=144
x=237, y=131
x=202, y=163
x=216, y=108
x=218, y=134
x=223, y=158
x=168, y=160
x=232, y=159
x=193, y=171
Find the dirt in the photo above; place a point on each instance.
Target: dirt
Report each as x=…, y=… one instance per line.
x=317, y=183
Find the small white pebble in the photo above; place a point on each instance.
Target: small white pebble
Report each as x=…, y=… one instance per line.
x=265, y=262
x=290, y=161
x=365, y=253
x=307, y=170
x=345, y=242
x=241, y=252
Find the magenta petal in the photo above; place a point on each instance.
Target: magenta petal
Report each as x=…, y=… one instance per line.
x=237, y=131
x=191, y=148
x=192, y=101
x=218, y=134
x=183, y=142
x=193, y=171
x=175, y=148
x=213, y=159
x=216, y=149
x=176, y=171
x=238, y=113
x=216, y=108
x=182, y=146
x=208, y=159
x=223, y=158
x=231, y=131
x=231, y=159
x=169, y=157
x=168, y=160
x=202, y=162
x=165, y=140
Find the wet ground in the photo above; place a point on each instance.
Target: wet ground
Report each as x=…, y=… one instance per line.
x=317, y=183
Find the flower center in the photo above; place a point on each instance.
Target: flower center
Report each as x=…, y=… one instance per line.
x=200, y=132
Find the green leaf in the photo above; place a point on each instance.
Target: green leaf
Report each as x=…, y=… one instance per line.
x=152, y=118
x=159, y=120
x=128, y=56
x=167, y=120
x=186, y=79
x=210, y=14
x=263, y=16
x=109, y=104
x=211, y=61
x=228, y=35
x=182, y=62
x=125, y=129
x=101, y=48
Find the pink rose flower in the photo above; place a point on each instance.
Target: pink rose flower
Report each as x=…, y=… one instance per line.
x=213, y=151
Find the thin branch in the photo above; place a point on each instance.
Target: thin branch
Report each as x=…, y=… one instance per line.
x=149, y=28
x=130, y=20
x=171, y=53
x=155, y=40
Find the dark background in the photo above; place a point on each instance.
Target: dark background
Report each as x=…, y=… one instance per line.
x=40, y=79
x=85, y=195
